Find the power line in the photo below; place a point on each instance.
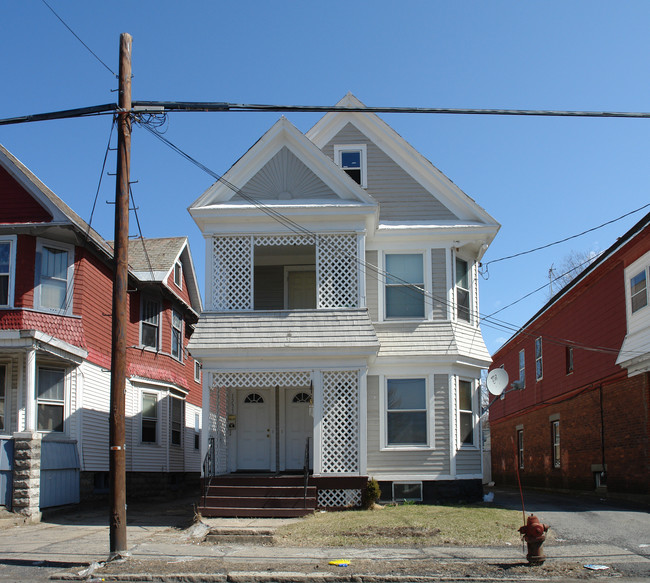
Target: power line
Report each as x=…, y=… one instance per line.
x=77, y=37
x=567, y=238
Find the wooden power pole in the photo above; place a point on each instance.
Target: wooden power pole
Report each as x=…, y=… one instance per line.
x=117, y=454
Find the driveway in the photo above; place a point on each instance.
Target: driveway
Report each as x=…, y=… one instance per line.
x=586, y=520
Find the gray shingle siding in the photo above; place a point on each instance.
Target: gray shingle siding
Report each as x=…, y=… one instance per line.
x=400, y=196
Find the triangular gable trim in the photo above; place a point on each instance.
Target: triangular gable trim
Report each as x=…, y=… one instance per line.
x=396, y=147
x=284, y=134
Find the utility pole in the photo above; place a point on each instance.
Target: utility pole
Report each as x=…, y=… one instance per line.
x=117, y=455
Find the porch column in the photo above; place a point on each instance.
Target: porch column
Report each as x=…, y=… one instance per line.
x=317, y=380
x=30, y=391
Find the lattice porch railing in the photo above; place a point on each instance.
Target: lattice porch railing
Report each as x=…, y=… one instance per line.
x=337, y=269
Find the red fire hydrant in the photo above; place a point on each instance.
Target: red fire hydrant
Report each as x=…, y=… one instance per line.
x=534, y=533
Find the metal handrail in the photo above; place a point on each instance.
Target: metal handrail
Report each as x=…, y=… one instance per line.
x=306, y=470
x=208, y=468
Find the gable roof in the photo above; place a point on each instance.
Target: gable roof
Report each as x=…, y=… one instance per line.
x=316, y=169
x=61, y=213
x=405, y=155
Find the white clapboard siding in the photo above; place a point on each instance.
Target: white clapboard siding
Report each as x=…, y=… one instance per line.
x=434, y=462
x=150, y=457
x=372, y=284
x=400, y=197
x=192, y=454
x=468, y=462
x=439, y=283
x=95, y=418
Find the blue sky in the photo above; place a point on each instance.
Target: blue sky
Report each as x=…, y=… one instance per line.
x=543, y=179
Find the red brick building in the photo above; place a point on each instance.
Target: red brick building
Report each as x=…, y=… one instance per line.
x=582, y=419
x=56, y=277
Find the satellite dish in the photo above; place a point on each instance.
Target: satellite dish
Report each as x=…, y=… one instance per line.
x=497, y=381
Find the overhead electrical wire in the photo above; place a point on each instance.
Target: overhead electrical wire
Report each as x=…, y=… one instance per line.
x=79, y=39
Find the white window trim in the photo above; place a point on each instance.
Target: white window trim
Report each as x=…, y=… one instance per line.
x=179, y=283
x=197, y=371
x=383, y=413
x=69, y=292
x=66, y=398
x=426, y=274
x=157, y=395
x=178, y=357
x=470, y=289
x=183, y=422
x=12, y=240
x=364, y=157
x=143, y=298
x=475, y=424
x=628, y=288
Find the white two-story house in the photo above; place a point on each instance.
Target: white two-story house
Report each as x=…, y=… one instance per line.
x=341, y=315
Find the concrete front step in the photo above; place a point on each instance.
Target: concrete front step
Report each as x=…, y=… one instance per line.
x=261, y=491
x=259, y=502
x=238, y=512
x=259, y=536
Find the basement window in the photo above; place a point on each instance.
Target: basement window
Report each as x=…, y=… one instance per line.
x=411, y=491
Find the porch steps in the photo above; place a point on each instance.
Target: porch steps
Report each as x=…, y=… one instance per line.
x=254, y=496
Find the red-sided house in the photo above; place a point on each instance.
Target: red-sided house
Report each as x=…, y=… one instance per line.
x=55, y=354
x=581, y=419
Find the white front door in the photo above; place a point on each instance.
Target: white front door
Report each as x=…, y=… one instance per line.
x=255, y=432
x=299, y=426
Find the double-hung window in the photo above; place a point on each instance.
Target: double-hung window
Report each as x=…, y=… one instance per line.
x=352, y=160
x=462, y=290
x=639, y=291
x=520, y=448
x=177, y=335
x=522, y=368
x=539, y=368
x=7, y=263
x=555, y=443
x=405, y=285
x=54, y=277
x=406, y=412
x=149, y=418
x=465, y=413
x=150, y=324
x=176, y=416
x=50, y=399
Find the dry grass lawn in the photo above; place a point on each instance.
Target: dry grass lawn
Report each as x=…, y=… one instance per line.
x=407, y=525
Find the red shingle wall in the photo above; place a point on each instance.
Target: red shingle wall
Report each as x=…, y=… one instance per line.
x=17, y=205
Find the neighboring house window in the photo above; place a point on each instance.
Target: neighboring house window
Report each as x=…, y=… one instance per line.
x=555, y=440
x=404, y=286
x=197, y=432
x=462, y=290
x=177, y=335
x=150, y=325
x=352, y=159
x=520, y=448
x=406, y=412
x=176, y=416
x=539, y=369
x=149, y=418
x=7, y=261
x=639, y=291
x=197, y=371
x=50, y=400
x=54, y=277
x=522, y=368
x=3, y=396
x=178, y=274
x=568, y=354
x=465, y=413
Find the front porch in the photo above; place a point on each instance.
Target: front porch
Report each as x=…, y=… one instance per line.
x=283, y=443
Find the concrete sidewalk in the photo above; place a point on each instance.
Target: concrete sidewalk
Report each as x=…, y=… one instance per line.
x=162, y=547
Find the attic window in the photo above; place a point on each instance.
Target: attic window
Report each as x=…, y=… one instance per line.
x=352, y=159
x=178, y=275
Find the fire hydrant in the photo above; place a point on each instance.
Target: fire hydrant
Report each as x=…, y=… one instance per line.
x=534, y=533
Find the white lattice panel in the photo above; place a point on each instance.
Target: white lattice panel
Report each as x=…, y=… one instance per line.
x=338, y=279
x=218, y=429
x=340, y=426
x=261, y=379
x=262, y=240
x=232, y=273
x=339, y=498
